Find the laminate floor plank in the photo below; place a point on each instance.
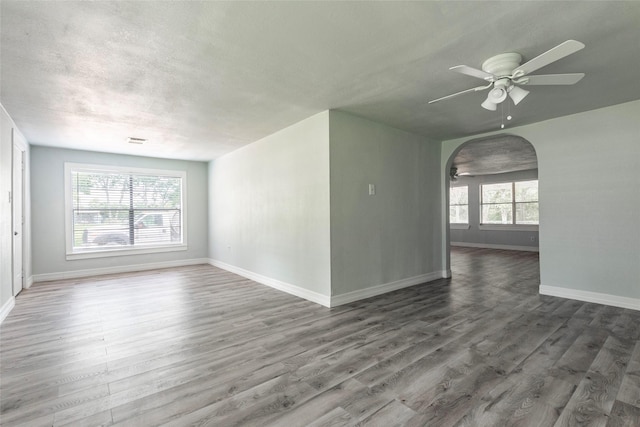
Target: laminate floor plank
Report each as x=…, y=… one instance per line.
x=22, y=382
x=629, y=392
x=198, y=345
x=574, y=363
x=337, y=417
x=522, y=400
x=251, y=407
x=202, y=390
x=135, y=368
x=391, y=415
x=593, y=400
x=351, y=397
x=530, y=395
x=624, y=415
x=401, y=368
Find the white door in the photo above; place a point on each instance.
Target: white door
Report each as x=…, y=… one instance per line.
x=17, y=217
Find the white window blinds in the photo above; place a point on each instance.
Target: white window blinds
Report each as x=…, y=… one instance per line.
x=115, y=208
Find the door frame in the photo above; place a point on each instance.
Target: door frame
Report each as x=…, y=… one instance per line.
x=18, y=221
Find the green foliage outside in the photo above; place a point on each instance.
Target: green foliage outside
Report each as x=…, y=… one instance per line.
x=103, y=202
x=498, y=202
x=107, y=198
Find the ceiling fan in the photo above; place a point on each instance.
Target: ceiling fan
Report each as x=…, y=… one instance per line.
x=504, y=74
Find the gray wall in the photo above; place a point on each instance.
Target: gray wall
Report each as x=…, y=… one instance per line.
x=269, y=206
x=473, y=235
x=47, y=198
x=395, y=233
x=588, y=167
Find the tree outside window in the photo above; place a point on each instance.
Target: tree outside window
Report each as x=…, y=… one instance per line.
x=510, y=203
x=110, y=208
x=459, y=205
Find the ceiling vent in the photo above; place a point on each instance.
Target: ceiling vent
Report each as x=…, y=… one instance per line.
x=139, y=141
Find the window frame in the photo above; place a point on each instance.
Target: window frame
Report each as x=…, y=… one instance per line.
x=513, y=226
x=459, y=225
x=69, y=168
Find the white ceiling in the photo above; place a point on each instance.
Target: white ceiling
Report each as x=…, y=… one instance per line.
x=199, y=79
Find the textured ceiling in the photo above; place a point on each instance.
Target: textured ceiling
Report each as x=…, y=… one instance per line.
x=199, y=79
x=496, y=154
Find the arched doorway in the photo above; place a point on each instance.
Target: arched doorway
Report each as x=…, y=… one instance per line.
x=491, y=194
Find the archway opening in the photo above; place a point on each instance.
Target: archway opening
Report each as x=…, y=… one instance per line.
x=492, y=197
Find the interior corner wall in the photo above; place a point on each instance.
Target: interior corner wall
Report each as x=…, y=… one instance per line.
x=48, y=216
x=392, y=238
x=269, y=210
x=589, y=184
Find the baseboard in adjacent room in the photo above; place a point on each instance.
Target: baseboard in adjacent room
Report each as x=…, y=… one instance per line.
x=588, y=296
x=492, y=246
x=385, y=287
x=6, y=308
x=46, y=277
x=312, y=296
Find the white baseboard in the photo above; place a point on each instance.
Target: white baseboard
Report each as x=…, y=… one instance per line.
x=333, y=300
x=29, y=282
x=492, y=246
x=312, y=296
x=6, y=308
x=385, y=287
x=116, y=269
x=588, y=296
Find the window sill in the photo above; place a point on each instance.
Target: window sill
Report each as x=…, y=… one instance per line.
x=507, y=227
x=105, y=253
x=459, y=226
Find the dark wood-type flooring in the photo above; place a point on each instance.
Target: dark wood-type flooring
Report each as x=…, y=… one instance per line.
x=201, y=346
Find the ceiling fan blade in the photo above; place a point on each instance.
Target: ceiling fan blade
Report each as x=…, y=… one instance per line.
x=473, y=72
x=552, y=55
x=475, y=89
x=550, y=79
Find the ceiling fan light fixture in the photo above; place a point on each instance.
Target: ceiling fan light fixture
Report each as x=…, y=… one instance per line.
x=504, y=71
x=488, y=104
x=497, y=95
x=453, y=173
x=517, y=94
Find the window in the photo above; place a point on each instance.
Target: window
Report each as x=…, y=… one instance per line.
x=510, y=203
x=526, y=202
x=117, y=211
x=459, y=205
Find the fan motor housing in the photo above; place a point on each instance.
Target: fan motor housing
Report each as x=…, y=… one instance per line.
x=502, y=65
